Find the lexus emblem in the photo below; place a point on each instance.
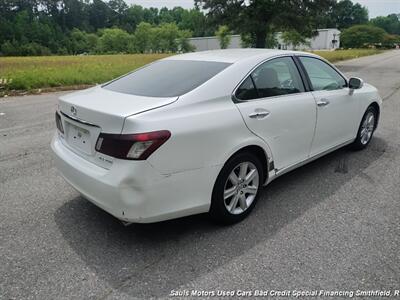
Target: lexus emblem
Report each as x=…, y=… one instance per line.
x=73, y=110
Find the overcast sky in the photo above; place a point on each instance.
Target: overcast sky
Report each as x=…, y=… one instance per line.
x=375, y=7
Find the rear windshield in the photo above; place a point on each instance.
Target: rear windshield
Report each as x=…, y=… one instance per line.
x=166, y=78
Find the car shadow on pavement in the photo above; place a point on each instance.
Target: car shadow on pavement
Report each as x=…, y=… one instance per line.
x=146, y=260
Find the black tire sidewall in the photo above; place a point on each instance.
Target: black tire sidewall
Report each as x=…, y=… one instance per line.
x=357, y=145
x=218, y=211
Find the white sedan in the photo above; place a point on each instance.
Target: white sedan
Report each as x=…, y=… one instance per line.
x=203, y=132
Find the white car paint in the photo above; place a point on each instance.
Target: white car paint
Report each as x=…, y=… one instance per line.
x=334, y=120
x=207, y=127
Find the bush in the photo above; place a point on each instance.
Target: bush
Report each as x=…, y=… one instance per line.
x=295, y=39
x=9, y=48
x=223, y=35
x=164, y=38
x=82, y=42
x=390, y=41
x=362, y=36
x=183, y=41
x=114, y=40
x=34, y=49
x=142, y=38
x=168, y=35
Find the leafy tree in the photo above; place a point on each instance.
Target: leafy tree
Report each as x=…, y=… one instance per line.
x=142, y=37
x=391, y=23
x=75, y=14
x=77, y=26
x=168, y=34
x=259, y=18
x=114, y=40
x=294, y=38
x=224, y=36
x=133, y=16
x=151, y=15
x=165, y=15
x=99, y=14
x=345, y=14
x=361, y=36
x=119, y=8
x=195, y=21
x=82, y=42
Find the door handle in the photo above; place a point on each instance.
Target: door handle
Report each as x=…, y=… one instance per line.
x=259, y=114
x=323, y=102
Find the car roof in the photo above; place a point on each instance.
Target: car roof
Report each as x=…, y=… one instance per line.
x=232, y=55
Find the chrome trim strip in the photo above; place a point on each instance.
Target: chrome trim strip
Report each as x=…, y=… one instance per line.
x=78, y=120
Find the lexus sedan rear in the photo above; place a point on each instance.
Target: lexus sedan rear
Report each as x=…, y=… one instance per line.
x=203, y=132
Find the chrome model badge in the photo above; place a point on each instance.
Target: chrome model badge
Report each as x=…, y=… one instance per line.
x=73, y=110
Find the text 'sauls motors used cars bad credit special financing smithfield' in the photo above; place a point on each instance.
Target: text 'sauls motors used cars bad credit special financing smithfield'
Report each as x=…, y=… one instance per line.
x=203, y=132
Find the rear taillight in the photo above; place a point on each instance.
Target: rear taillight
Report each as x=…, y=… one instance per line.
x=131, y=146
x=59, y=123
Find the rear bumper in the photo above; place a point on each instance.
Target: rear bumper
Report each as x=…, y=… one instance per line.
x=133, y=191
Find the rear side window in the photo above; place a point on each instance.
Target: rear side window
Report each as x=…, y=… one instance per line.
x=322, y=75
x=276, y=77
x=166, y=78
x=247, y=91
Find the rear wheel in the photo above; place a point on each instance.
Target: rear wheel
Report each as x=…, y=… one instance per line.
x=366, y=129
x=237, y=188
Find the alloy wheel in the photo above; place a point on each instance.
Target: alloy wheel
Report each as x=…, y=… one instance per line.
x=241, y=188
x=367, y=128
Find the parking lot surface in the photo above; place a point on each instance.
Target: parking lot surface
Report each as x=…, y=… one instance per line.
x=332, y=224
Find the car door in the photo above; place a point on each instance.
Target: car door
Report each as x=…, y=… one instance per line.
x=336, y=108
x=276, y=107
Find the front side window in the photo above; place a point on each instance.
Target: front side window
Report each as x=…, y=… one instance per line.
x=167, y=78
x=273, y=78
x=322, y=75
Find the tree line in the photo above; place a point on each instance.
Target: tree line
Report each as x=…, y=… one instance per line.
x=43, y=27
x=258, y=21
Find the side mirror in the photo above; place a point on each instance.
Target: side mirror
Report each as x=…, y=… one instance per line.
x=356, y=83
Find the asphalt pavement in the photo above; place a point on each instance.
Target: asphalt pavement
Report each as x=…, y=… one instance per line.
x=330, y=225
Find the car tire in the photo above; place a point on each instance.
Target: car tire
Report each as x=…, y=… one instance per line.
x=366, y=129
x=237, y=189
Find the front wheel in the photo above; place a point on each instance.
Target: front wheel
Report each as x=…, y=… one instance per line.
x=366, y=129
x=237, y=188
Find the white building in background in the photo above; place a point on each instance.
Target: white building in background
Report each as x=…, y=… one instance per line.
x=326, y=39
x=212, y=43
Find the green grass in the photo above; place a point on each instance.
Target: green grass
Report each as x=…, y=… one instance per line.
x=33, y=73
x=29, y=73
x=338, y=55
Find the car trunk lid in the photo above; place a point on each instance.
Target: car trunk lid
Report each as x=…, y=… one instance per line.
x=107, y=109
x=87, y=113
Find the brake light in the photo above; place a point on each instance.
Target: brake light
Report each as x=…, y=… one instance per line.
x=131, y=146
x=59, y=123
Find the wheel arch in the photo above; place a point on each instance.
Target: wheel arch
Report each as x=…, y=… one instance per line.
x=375, y=105
x=262, y=153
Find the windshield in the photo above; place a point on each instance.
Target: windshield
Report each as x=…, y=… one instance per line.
x=166, y=78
